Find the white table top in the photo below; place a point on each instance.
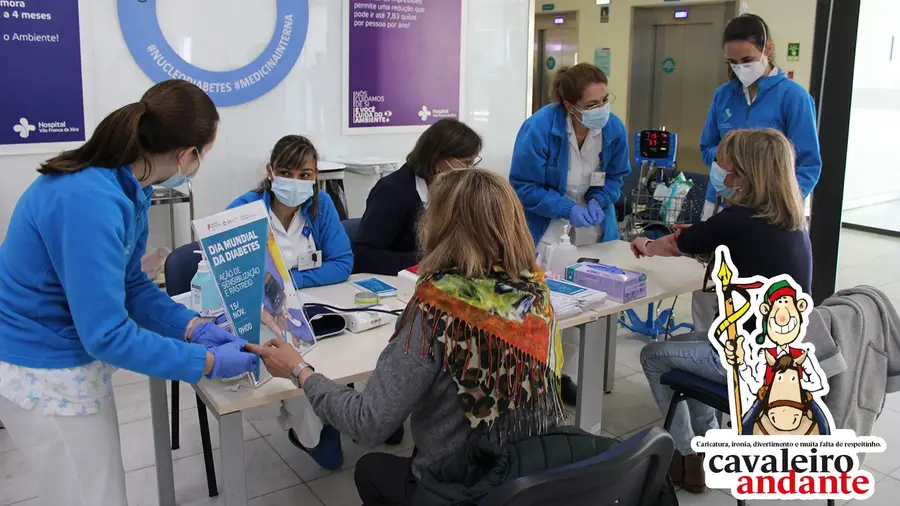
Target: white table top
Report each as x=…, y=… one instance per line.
x=666, y=277
x=344, y=358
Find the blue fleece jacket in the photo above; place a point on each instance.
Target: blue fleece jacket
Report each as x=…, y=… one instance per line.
x=327, y=232
x=781, y=104
x=71, y=286
x=540, y=169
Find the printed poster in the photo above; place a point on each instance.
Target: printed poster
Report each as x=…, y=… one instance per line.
x=255, y=287
x=783, y=443
x=42, y=93
x=402, y=64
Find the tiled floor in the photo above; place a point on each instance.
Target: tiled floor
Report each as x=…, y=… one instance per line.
x=278, y=474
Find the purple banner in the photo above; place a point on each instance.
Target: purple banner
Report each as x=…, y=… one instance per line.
x=403, y=62
x=41, y=95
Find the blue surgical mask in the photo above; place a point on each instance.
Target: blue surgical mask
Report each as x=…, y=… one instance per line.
x=179, y=178
x=595, y=119
x=717, y=177
x=292, y=192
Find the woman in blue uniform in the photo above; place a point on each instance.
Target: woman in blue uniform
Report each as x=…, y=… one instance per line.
x=75, y=305
x=759, y=95
x=567, y=168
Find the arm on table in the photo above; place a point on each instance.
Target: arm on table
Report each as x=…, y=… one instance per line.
x=395, y=387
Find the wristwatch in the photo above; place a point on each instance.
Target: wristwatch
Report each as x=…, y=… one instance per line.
x=295, y=372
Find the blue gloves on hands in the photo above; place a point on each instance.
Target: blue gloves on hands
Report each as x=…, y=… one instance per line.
x=579, y=217
x=230, y=361
x=211, y=335
x=596, y=211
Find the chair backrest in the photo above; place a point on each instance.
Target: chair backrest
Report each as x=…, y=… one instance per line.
x=181, y=265
x=350, y=226
x=630, y=473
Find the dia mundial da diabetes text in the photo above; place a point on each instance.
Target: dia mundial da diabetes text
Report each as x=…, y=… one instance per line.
x=233, y=247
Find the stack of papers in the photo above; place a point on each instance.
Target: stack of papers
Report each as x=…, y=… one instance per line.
x=569, y=299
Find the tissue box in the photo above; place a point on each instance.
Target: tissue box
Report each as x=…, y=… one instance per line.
x=620, y=285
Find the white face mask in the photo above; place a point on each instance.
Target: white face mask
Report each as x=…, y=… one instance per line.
x=749, y=73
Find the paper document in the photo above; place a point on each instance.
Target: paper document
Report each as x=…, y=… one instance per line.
x=569, y=299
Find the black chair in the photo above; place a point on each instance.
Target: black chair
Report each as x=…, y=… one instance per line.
x=632, y=472
x=690, y=386
x=351, y=226
x=180, y=267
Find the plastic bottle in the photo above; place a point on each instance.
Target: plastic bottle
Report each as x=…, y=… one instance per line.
x=204, y=294
x=561, y=255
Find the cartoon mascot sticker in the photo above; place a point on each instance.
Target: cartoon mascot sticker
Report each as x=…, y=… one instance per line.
x=783, y=443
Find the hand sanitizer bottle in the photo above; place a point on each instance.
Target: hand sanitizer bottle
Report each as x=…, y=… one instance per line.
x=204, y=294
x=561, y=255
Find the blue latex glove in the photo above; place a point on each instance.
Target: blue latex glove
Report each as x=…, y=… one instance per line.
x=579, y=217
x=230, y=361
x=596, y=212
x=211, y=335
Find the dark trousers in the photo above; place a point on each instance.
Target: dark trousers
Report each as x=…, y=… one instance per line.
x=383, y=479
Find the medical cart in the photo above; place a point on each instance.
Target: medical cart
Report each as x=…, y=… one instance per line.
x=658, y=204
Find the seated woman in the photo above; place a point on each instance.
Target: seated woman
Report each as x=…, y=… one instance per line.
x=479, y=273
x=316, y=249
x=765, y=231
x=385, y=242
x=312, y=240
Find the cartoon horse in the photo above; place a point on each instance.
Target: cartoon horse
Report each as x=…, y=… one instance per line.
x=784, y=408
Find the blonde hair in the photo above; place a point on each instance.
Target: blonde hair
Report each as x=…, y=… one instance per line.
x=764, y=161
x=474, y=221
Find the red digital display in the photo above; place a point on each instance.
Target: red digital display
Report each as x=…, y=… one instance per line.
x=655, y=144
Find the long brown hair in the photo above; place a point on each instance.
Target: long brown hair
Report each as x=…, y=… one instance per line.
x=569, y=83
x=474, y=221
x=764, y=161
x=290, y=152
x=447, y=138
x=171, y=115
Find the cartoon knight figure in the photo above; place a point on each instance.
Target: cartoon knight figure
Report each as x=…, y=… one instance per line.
x=785, y=377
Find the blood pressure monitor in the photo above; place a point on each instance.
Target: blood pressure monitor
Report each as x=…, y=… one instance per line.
x=655, y=147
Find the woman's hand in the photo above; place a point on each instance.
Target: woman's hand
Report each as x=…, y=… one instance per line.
x=639, y=247
x=229, y=360
x=280, y=358
x=211, y=335
x=579, y=217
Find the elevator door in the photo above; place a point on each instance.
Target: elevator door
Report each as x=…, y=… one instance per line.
x=556, y=47
x=687, y=69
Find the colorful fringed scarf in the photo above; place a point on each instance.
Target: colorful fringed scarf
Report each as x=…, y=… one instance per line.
x=501, y=346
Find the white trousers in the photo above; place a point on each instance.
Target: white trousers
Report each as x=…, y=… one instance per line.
x=298, y=414
x=77, y=460
x=571, y=351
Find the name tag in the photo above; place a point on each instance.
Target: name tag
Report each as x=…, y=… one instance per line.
x=309, y=260
x=598, y=178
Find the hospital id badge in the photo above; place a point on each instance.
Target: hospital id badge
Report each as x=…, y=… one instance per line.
x=309, y=260
x=598, y=178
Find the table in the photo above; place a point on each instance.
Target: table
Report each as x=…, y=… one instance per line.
x=666, y=277
x=330, y=359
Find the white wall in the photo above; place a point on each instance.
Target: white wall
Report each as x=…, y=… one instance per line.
x=789, y=21
x=871, y=175
x=227, y=34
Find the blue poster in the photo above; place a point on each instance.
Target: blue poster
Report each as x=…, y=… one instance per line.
x=256, y=288
x=41, y=92
x=156, y=57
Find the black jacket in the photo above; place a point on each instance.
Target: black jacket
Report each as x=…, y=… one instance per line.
x=385, y=242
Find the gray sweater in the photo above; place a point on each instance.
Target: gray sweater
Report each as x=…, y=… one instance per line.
x=404, y=384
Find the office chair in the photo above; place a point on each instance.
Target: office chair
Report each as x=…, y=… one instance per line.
x=180, y=267
x=351, y=226
x=632, y=472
